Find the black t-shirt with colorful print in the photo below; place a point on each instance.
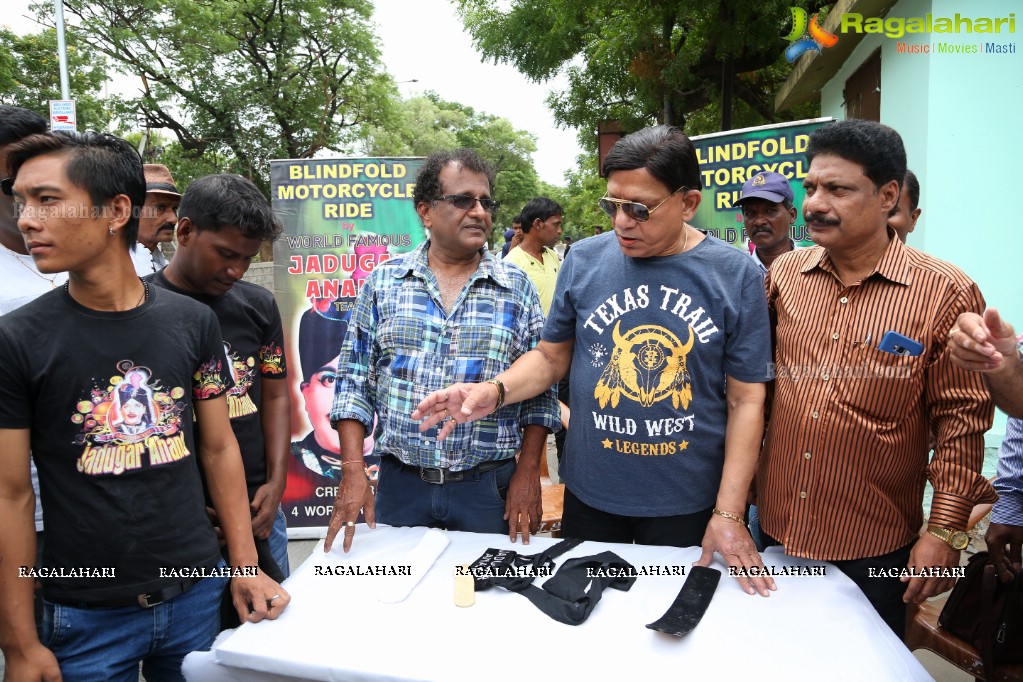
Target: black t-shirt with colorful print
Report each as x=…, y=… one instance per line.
x=254, y=340
x=108, y=399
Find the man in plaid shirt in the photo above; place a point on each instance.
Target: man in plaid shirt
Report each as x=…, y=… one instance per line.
x=447, y=312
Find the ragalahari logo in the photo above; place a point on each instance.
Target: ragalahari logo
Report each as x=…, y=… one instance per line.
x=818, y=37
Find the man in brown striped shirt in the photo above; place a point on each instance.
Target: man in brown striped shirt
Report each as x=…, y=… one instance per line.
x=841, y=476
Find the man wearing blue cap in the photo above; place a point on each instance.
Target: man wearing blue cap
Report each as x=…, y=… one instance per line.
x=768, y=215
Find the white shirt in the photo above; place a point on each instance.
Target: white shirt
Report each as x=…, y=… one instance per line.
x=147, y=262
x=760, y=263
x=22, y=283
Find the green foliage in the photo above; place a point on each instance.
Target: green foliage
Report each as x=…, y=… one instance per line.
x=251, y=80
x=30, y=76
x=423, y=125
x=585, y=187
x=641, y=63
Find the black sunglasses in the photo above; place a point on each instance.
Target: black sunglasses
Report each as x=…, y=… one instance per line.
x=464, y=202
x=7, y=186
x=635, y=210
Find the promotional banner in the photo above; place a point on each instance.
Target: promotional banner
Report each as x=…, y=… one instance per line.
x=729, y=158
x=342, y=218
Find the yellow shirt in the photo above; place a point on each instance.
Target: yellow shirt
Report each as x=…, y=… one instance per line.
x=543, y=275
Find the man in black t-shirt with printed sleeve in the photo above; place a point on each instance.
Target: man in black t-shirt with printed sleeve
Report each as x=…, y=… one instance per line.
x=223, y=222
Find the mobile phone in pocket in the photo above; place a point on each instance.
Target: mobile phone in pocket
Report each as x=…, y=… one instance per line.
x=897, y=344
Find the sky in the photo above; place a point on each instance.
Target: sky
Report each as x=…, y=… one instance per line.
x=423, y=40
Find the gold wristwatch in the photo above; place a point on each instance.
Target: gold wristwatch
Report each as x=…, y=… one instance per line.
x=956, y=539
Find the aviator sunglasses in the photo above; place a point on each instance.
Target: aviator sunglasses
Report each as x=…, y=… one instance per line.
x=635, y=210
x=464, y=202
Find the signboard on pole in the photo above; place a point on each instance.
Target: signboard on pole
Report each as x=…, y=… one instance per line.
x=342, y=218
x=729, y=158
x=63, y=114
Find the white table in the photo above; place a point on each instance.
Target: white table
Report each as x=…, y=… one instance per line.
x=336, y=629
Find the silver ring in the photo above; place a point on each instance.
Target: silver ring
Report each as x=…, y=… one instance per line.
x=350, y=524
x=276, y=596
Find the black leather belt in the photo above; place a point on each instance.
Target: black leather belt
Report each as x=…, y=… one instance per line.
x=439, y=476
x=147, y=600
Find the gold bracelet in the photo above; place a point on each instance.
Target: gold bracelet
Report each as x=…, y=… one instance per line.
x=728, y=515
x=500, y=392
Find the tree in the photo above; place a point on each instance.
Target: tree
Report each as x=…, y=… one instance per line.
x=30, y=76
x=422, y=125
x=251, y=79
x=638, y=63
x=585, y=187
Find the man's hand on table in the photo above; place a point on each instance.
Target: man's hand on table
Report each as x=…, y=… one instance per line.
x=258, y=597
x=523, y=509
x=929, y=553
x=353, y=495
x=1005, y=544
x=732, y=541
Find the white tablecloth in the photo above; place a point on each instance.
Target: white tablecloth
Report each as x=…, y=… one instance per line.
x=337, y=629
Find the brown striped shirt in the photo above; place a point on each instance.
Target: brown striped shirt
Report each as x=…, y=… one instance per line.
x=845, y=458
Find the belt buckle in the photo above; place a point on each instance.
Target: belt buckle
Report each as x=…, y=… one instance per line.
x=432, y=475
x=144, y=600
x=440, y=476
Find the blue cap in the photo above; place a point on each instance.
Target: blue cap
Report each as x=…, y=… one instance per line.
x=766, y=185
x=508, y=234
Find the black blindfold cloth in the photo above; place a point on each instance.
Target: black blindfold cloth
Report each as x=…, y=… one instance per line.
x=571, y=594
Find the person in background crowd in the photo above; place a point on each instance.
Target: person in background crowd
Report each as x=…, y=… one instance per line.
x=158, y=220
x=566, y=246
x=905, y=214
x=541, y=226
x=517, y=236
x=768, y=214
x=508, y=234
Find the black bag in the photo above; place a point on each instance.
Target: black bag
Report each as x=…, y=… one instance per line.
x=513, y=571
x=987, y=613
x=571, y=594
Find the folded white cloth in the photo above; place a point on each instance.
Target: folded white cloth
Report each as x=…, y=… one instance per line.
x=420, y=559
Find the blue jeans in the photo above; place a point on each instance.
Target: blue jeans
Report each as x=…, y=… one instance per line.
x=107, y=644
x=279, y=542
x=475, y=504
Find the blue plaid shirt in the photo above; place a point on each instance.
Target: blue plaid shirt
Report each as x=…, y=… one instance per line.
x=401, y=346
x=1009, y=484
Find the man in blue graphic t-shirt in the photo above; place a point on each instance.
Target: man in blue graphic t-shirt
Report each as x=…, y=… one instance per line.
x=657, y=332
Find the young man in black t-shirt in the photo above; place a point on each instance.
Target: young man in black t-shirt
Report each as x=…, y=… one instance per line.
x=223, y=220
x=102, y=380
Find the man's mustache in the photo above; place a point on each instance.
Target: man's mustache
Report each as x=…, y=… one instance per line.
x=821, y=219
